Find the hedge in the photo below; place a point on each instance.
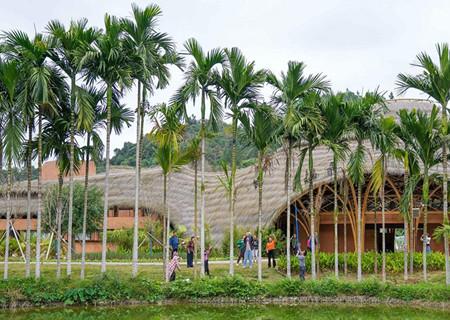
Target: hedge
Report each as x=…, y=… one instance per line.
x=112, y=289
x=394, y=262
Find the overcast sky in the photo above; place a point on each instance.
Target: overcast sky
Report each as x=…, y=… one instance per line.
x=359, y=45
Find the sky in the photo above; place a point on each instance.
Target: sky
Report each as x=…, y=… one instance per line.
x=359, y=45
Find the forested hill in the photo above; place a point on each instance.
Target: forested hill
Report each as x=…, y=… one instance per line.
x=218, y=148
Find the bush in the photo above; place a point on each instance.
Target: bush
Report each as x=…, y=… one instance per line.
x=394, y=262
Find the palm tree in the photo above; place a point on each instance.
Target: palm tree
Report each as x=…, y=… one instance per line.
x=107, y=60
x=167, y=133
x=12, y=136
x=261, y=130
x=290, y=89
x=239, y=85
x=199, y=81
x=120, y=115
x=67, y=47
x=434, y=81
x=385, y=140
x=364, y=113
x=335, y=137
x=150, y=51
x=425, y=140
x=41, y=80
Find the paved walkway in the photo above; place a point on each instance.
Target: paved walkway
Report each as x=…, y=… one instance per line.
x=116, y=263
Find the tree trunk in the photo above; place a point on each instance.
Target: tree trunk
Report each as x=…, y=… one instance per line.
x=85, y=205
x=383, y=223
x=375, y=238
x=71, y=162
x=165, y=235
x=233, y=192
x=359, y=271
x=137, y=184
x=345, y=224
x=288, y=211
x=425, y=195
x=312, y=213
x=8, y=220
x=58, y=225
x=336, y=238
x=29, y=177
x=406, y=235
x=445, y=193
x=106, y=192
x=195, y=216
x=260, y=199
x=202, y=189
x=167, y=186
x=39, y=195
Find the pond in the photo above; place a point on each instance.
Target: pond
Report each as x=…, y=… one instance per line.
x=241, y=312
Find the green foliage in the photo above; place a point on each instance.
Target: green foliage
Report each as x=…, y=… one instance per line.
x=394, y=262
x=113, y=289
x=94, y=212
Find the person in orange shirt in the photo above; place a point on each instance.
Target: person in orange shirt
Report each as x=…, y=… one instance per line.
x=270, y=250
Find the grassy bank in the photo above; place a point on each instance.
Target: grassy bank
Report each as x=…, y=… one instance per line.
x=111, y=289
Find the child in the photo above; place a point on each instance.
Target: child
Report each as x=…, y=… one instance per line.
x=301, y=264
x=206, y=255
x=173, y=265
x=241, y=248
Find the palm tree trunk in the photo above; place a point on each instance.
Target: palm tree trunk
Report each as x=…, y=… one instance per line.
x=345, y=224
x=359, y=269
x=28, y=235
x=167, y=186
x=202, y=189
x=39, y=195
x=85, y=204
x=58, y=225
x=288, y=210
x=375, y=238
x=233, y=192
x=8, y=221
x=425, y=195
x=383, y=224
x=106, y=192
x=406, y=236
x=411, y=241
x=260, y=199
x=137, y=184
x=311, y=212
x=336, y=238
x=165, y=235
x=195, y=215
x=445, y=192
x=71, y=161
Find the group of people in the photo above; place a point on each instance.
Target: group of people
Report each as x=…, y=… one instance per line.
x=174, y=263
x=248, y=247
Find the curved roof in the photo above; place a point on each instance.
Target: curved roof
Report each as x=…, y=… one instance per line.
x=181, y=187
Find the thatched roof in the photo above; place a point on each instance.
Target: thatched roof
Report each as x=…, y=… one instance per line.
x=181, y=187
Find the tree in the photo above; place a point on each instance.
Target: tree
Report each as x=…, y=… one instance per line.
x=12, y=136
x=385, y=140
x=151, y=51
x=200, y=81
x=335, y=137
x=107, y=60
x=290, y=89
x=68, y=46
x=167, y=133
x=261, y=131
x=434, y=81
x=421, y=131
x=41, y=80
x=364, y=112
x=239, y=86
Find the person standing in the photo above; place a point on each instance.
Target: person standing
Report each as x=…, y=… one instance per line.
x=301, y=264
x=206, y=256
x=255, y=248
x=248, y=258
x=173, y=266
x=241, y=247
x=174, y=242
x=190, y=252
x=294, y=244
x=427, y=239
x=270, y=250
